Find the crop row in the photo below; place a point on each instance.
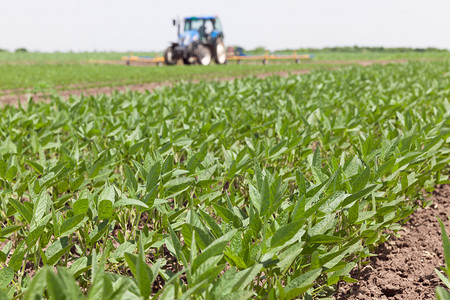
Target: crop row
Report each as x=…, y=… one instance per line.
x=50, y=77
x=271, y=188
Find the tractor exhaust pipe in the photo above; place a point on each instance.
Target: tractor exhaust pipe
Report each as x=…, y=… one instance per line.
x=177, y=22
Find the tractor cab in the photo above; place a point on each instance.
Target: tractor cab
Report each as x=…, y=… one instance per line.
x=200, y=39
x=205, y=27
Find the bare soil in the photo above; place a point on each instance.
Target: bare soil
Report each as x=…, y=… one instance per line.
x=404, y=267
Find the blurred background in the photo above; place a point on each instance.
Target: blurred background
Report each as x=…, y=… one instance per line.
x=138, y=25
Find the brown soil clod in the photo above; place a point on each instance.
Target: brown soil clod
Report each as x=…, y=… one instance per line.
x=404, y=267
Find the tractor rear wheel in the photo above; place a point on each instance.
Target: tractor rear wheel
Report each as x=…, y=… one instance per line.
x=220, y=53
x=187, y=61
x=170, y=57
x=203, y=55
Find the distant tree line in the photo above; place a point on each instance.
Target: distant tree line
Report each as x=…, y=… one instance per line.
x=18, y=50
x=348, y=49
x=357, y=49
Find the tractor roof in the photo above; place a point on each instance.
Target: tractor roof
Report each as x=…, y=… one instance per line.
x=201, y=17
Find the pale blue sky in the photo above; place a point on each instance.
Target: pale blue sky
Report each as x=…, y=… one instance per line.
x=113, y=25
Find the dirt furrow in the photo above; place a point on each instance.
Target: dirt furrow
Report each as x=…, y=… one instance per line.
x=404, y=267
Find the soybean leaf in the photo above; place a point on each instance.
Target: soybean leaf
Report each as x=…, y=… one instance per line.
x=6, y=276
x=56, y=250
x=40, y=207
x=97, y=232
x=197, y=159
x=62, y=285
x=446, y=246
x=22, y=210
x=81, y=206
x=105, y=210
x=285, y=233
x=11, y=173
x=37, y=167
x=215, y=248
x=37, y=286
x=265, y=198
x=361, y=180
x=153, y=176
x=131, y=179
x=143, y=274
x=72, y=224
x=128, y=201
x=301, y=284
x=3, y=168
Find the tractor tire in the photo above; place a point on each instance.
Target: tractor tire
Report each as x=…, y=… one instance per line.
x=169, y=57
x=220, y=53
x=203, y=55
x=187, y=61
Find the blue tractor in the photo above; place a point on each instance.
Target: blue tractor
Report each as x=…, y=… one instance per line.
x=200, y=41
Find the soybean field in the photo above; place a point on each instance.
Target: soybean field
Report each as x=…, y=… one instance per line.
x=273, y=188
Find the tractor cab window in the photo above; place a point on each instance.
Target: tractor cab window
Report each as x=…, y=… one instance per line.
x=209, y=27
x=217, y=25
x=193, y=24
x=204, y=26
